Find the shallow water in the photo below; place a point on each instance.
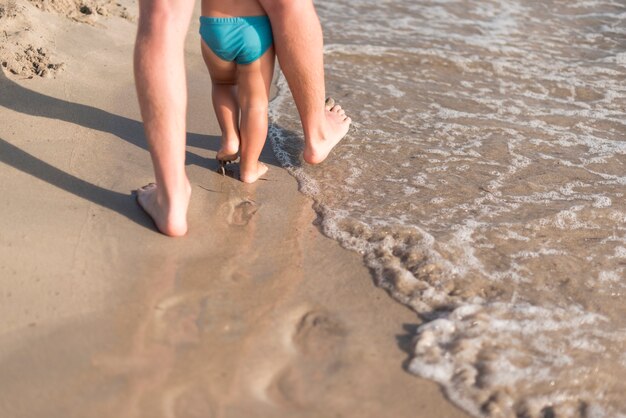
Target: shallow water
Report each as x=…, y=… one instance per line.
x=484, y=183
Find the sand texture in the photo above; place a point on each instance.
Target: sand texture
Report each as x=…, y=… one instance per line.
x=254, y=313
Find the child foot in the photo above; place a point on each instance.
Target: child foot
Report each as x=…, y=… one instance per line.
x=168, y=215
x=229, y=149
x=250, y=176
x=337, y=125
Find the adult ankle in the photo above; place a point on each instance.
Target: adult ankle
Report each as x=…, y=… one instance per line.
x=175, y=191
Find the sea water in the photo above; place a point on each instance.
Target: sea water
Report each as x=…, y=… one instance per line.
x=483, y=182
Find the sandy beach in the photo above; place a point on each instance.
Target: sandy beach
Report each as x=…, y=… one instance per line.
x=253, y=313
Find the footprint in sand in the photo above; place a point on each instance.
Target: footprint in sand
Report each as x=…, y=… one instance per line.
x=189, y=401
x=241, y=212
x=175, y=320
x=318, y=334
x=319, y=339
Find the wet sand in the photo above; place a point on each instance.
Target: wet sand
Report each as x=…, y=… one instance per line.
x=254, y=313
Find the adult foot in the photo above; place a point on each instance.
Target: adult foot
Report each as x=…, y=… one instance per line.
x=317, y=149
x=169, y=214
x=250, y=176
x=229, y=149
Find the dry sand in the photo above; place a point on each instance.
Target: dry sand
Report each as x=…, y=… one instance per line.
x=254, y=313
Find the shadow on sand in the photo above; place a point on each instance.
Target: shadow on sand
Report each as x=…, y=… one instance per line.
x=17, y=98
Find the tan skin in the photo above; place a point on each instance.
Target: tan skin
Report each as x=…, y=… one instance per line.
x=242, y=89
x=160, y=81
x=240, y=95
x=231, y=8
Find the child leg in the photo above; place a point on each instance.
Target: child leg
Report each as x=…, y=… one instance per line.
x=254, y=88
x=224, y=95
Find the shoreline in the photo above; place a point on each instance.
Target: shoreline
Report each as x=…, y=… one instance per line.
x=253, y=312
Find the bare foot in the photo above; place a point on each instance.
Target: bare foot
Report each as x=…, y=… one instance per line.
x=337, y=125
x=250, y=176
x=169, y=215
x=229, y=149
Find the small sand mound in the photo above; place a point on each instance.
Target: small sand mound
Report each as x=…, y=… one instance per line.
x=29, y=62
x=8, y=9
x=83, y=10
x=27, y=48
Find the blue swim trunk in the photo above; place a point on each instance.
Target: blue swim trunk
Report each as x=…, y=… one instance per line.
x=239, y=39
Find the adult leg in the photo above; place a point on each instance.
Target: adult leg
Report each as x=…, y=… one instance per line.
x=299, y=46
x=224, y=96
x=254, y=89
x=162, y=92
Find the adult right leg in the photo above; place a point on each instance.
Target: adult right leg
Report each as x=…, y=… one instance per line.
x=299, y=46
x=161, y=88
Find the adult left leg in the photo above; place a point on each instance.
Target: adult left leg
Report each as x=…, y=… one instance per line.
x=162, y=91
